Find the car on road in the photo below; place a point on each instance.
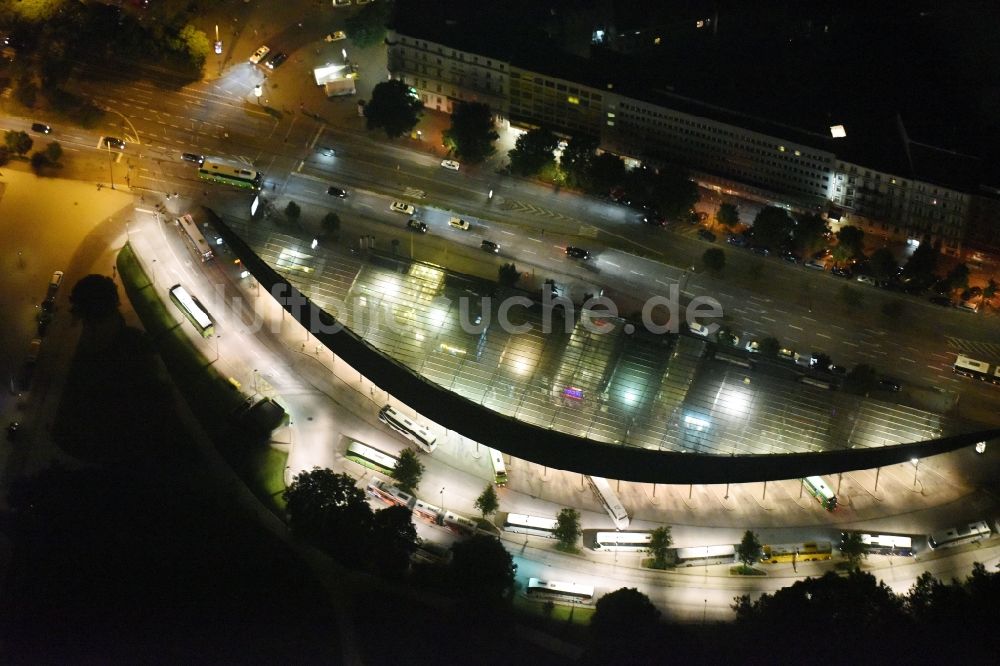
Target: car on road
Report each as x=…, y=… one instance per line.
x=335, y=36
x=968, y=306
x=336, y=192
x=655, y=220
x=739, y=240
x=41, y=128
x=787, y=354
x=806, y=361
x=259, y=54
x=404, y=208
x=458, y=223
x=943, y=301
x=113, y=142
x=33, y=350
x=577, y=252
x=890, y=384
x=417, y=225
x=490, y=246
x=277, y=59
x=815, y=265
x=44, y=319
x=192, y=157
x=835, y=369
x=753, y=346
x=706, y=235
x=762, y=250
x=867, y=279
x=451, y=164
x=841, y=271
x=698, y=329
x=791, y=257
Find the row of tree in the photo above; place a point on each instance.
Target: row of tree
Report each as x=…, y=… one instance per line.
x=19, y=143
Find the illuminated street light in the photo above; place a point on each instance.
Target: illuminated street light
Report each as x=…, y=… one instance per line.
x=314, y=244
x=980, y=447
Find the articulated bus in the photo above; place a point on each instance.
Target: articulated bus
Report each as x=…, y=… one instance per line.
x=818, y=489
x=194, y=239
x=237, y=175
x=520, y=523
x=418, y=434
x=499, y=468
x=371, y=457
x=956, y=536
x=390, y=494
x=572, y=592
x=887, y=544
x=700, y=556
x=622, y=542
x=810, y=551
x=610, y=502
x=193, y=310
x=970, y=367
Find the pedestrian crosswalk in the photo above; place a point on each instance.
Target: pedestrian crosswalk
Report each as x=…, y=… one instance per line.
x=516, y=206
x=986, y=351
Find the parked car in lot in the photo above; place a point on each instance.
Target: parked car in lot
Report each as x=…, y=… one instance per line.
x=739, y=240
x=417, y=225
x=943, y=301
x=698, y=329
x=259, y=54
x=192, y=157
x=277, y=59
x=41, y=128
x=815, y=265
x=890, y=384
x=762, y=250
x=841, y=271
x=654, y=220
x=577, y=252
x=706, y=235
x=336, y=192
x=866, y=279
x=791, y=257
x=335, y=36
x=401, y=207
x=490, y=246
x=451, y=165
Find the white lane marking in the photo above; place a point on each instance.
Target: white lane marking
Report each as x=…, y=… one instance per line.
x=848, y=343
x=797, y=328
x=611, y=263
x=768, y=319
x=810, y=319
x=823, y=335
x=504, y=231
x=529, y=252
x=908, y=360
x=635, y=272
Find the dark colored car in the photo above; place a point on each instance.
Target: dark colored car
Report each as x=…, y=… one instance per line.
x=762, y=250
x=943, y=301
x=114, y=142
x=44, y=319
x=277, y=59
x=707, y=235
x=192, y=157
x=577, y=252
x=791, y=257
x=841, y=272
x=41, y=128
x=654, y=220
x=739, y=240
x=490, y=246
x=336, y=192
x=417, y=225
x=890, y=384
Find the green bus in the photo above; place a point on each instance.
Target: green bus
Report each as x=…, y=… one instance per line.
x=230, y=174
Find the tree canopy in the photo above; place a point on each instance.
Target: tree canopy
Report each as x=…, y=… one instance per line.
x=606, y=172
x=329, y=510
x=727, y=215
x=659, y=545
x=853, y=547
x=481, y=568
x=714, y=259
x=772, y=226
x=850, y=243
x=533, y=151
x=408, y=470
x=922, y=263
x=393, y=108
x=567, y=529
x=577, y=161
x=487, y=502
x=508, y=275
x=367, y=27
x=394, y=540
x=17, y=142
x=749, y=549
x=471, y=134
x=883, y=264
x=809, y=234
x=861, y=380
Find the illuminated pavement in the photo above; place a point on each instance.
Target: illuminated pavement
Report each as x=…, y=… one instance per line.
x=658, y=392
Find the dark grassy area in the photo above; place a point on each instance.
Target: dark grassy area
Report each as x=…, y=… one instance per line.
x=137, y=557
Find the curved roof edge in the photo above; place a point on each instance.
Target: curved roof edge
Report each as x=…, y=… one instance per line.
x=556, y=449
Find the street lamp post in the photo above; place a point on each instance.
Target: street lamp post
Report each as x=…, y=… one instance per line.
x=258, y=92
x=916, y=468
x=442, y=499
x=111, y=168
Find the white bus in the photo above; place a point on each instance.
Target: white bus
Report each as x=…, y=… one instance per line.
x=818, y=489
x=236, y=175
x=956, y=536
x=887, y=544
x=573, y=592
x=970, y=367
x=458, y=524
x=610, y=502
x=622, y=542
x=499, y=469
x=426, y=512
x=390, y=494
x=418, y=434
x=520, y=523
x=700, y=556
x=194, y=239
x=371, y=457
x=193, y=310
